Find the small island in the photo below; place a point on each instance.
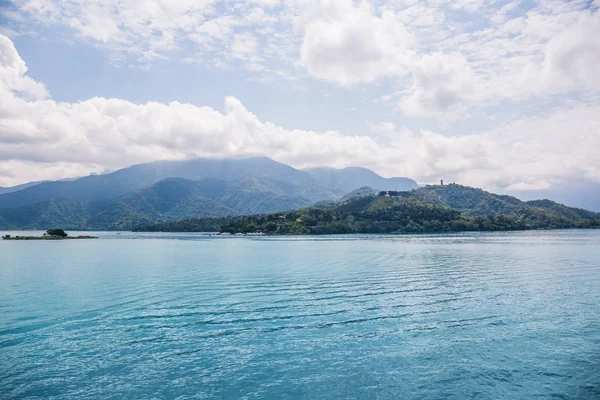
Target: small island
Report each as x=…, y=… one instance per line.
x=51, y=234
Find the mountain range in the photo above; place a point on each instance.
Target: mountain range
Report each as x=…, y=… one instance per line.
x=434, y=208
x=171, y=190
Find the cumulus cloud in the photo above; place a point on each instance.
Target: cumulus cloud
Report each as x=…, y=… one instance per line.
x=348, y=44
x=552, y=48
x=572, y=58
x=44, y=139
x=442, y=83
x=13, y=70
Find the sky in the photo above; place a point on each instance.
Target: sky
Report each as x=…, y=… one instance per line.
x=501, y=95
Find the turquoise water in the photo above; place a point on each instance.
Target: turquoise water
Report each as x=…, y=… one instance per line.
x=486, y=316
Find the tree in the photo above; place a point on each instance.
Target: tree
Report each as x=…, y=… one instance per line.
x=56, y=233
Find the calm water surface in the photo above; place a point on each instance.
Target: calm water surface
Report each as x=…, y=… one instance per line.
x=164, y=316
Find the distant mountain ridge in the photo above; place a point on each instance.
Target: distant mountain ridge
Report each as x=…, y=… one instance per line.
x=167, y=200
x=11, y=189
x=116, y=184
x=342, y=181
x=169, y=190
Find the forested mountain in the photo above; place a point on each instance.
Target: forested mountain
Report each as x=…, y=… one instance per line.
x=60, y=212
x=118, y=183
x=166, y=191
x=163, y=191
x=168, y=200
x=449, y=208
x=477, y=202
x=360, y=192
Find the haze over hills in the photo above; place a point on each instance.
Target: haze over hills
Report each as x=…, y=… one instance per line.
x=342, y=181
x=116, y=184
x=171, y=190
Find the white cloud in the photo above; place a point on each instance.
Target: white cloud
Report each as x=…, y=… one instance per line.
x=144, y=30
x=443, y=56
x=525, y=186
x=13, y=70
x=550, y=49
x=265, y=3
x=44, y=139
x=244, y=46
x=467, y=5
x=442, y=83
x=553, y=48
x=572, y=58
x=500, y=16
x=348, y=44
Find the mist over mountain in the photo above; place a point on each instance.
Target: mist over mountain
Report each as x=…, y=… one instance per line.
x=116, y=184
x=170, y=190
x=342, y=181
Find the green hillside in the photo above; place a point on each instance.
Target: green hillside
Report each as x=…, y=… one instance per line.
x=124, y=181
x=60, y=212
x=172, y=190
x=168, y=200
x=477, y=202
x=171, y=199
x=253, y=195
x=451, y=208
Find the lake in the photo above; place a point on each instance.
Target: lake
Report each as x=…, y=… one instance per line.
x=138, y=316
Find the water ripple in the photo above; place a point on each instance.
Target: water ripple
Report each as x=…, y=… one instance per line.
x=503, y=316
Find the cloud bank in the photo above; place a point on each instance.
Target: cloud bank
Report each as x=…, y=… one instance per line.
x=44, y=139
x=443, y=57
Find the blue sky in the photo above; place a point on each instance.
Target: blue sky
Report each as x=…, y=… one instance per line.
x=497, y=94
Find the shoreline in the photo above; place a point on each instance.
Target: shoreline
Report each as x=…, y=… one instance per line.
x=266, y=235
x=47, y=238
x=263, y=234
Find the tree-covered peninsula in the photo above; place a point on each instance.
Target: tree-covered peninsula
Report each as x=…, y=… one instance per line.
x=450, y=208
